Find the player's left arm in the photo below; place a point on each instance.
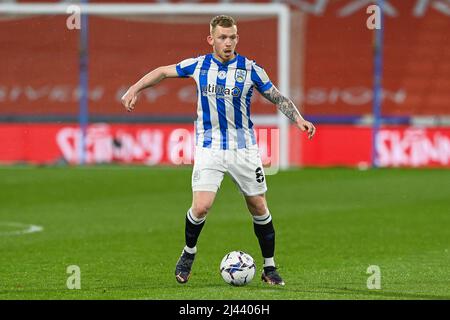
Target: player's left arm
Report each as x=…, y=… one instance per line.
x=286, y=106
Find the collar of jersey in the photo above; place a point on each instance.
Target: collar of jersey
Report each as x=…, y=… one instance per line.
x=224, y=63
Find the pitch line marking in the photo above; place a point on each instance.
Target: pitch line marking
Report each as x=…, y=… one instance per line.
x=24, y=228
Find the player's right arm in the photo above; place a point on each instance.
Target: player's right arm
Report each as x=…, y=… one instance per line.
x=150, y=79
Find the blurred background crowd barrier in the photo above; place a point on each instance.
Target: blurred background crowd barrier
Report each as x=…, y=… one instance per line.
x=332, y=72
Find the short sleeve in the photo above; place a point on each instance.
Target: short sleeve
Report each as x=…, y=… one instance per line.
x=186, y=67
x=260, y=78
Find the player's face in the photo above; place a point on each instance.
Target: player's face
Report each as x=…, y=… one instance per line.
x=224, y=41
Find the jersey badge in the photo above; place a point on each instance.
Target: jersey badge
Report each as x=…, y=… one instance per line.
x=240, y=75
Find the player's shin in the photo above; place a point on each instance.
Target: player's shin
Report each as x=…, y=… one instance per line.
x=265, y=233
x=192, y=231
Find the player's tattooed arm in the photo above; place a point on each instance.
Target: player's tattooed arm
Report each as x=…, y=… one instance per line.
x=288, y=108
x=284, y=104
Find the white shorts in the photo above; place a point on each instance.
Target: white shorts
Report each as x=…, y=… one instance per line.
x=243, y=165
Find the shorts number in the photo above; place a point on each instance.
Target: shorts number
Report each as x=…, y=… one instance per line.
x=259, y=175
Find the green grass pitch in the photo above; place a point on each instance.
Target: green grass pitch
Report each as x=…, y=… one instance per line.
x=124, y=227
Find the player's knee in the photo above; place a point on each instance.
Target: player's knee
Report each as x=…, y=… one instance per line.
x=200, y=210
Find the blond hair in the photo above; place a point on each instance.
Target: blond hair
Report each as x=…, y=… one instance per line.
x=221, y=21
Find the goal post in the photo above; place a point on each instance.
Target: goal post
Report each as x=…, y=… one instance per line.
x=280, y=11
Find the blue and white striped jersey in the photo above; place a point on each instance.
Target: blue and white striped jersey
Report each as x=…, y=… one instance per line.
x=224, y=91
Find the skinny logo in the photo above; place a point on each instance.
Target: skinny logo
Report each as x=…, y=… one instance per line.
x=374, y=20
x=74, y=280
x=74, y=20
x=374, y=281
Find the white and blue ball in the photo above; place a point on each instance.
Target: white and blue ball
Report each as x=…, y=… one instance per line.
x=237, y=268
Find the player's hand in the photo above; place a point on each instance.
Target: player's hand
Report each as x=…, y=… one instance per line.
x=129, y=99
x=307, y=126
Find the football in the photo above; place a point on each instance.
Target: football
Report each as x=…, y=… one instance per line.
x=237, y=268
